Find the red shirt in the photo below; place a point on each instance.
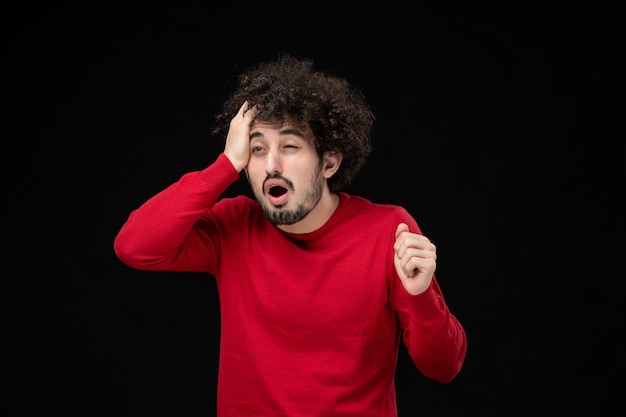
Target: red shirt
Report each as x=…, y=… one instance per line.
x=311, y=323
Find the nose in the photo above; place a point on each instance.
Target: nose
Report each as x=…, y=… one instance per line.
x=272, y=162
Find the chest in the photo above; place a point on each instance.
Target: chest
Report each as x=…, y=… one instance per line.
x=316, y=283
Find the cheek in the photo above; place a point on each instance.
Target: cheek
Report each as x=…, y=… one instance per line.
x=253, y=167
x=255, y=174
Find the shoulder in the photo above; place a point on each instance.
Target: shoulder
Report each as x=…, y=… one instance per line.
x=235, y=207
x=361, y=203
x=379, y=213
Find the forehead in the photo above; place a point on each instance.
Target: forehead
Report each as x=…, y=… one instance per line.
x=280, y=128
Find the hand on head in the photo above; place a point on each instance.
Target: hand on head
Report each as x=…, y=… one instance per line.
x=237, y=147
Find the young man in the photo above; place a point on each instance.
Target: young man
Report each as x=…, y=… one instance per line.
x=317, y=287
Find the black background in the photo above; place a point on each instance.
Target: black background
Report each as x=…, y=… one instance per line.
x=500, y=128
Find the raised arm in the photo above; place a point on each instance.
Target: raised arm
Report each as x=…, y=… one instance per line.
x=163, y=233
x=435, y=339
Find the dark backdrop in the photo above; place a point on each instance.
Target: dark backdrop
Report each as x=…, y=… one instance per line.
x=499, y=128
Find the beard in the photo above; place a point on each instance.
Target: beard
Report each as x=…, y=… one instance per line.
x=280, y=216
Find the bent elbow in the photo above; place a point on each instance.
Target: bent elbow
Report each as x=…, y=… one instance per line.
x=126, y=252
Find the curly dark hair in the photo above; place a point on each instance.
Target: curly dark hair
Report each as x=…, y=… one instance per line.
x=290, y=88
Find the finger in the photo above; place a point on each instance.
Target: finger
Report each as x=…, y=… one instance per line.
x=399, y=264
x=402, y=227
x=248, y=112
x=239, y=118
x=243, y=108
x=400, y=244
x=404, y=266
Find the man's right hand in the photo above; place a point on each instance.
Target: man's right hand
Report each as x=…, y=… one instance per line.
x=237, y=148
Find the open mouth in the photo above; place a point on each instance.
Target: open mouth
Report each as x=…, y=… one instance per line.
x=277, y=195
x=277, y=191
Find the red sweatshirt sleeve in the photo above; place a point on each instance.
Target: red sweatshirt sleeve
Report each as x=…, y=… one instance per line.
x=163, y=233
x=435, y=339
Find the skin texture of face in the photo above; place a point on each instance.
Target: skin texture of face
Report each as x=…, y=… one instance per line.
x=288, y=178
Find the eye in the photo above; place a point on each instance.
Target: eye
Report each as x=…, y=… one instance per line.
x=257, y=149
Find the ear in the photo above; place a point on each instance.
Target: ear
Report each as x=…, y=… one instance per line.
x=245, y=169
x=332, y=160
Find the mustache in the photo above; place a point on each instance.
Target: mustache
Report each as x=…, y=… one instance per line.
x=278, y=177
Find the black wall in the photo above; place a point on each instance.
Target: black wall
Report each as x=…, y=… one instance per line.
x=500, y=129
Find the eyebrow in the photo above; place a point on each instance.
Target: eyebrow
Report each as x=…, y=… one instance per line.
x=282, y=132
x=292, y=131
